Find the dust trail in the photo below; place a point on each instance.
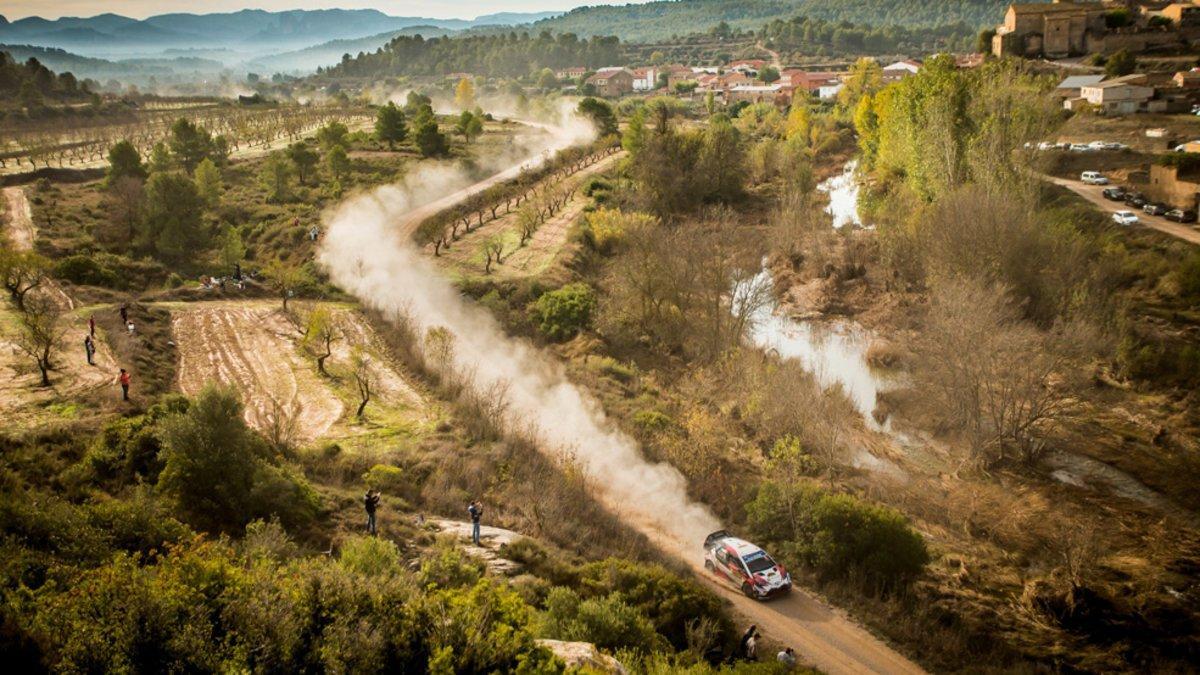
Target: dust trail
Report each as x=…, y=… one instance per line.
x=368, y=253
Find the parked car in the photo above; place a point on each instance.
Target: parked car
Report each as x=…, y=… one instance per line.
x=1093, y=178
x=1155, y=209
x=1098, y=145
x=1125, y=218
x=1047, y=145
x=1116, y=194
x=1181, y=216
x=1115, y=146
x=1080, y=147
x=746, y=566
x=1135, y=199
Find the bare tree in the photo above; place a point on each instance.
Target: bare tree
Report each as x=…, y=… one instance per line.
x=988, y=372
x=364, y=379
x=39, y=333
x=492, y=248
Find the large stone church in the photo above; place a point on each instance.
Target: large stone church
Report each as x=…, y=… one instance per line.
x=1066, y=28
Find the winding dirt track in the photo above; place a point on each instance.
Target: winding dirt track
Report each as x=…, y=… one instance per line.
x=823, y=636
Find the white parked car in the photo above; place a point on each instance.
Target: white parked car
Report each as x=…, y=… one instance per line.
x=1047, y=145
x=1080, y=147
x=1098, y=145
x=1125, y=218
x=1115, y=146
x=1093, y=178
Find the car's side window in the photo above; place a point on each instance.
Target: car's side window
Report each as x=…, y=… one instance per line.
x=721, y=557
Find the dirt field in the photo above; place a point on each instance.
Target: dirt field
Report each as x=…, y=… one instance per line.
x=253, y=347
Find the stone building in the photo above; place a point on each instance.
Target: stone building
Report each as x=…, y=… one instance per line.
x=1073, y=28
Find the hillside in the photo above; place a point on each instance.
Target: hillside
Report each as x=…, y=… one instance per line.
x=658, y=20
x=329, y=53
x=250, y=29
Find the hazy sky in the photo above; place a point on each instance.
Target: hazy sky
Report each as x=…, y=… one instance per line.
x=439, y=9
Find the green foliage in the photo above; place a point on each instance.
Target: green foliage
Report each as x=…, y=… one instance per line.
x=369, y=556
x=1121, y=62
x=429, y=140
x=491, y=55
x=1189, y=276
x=469, y=125
x=387, y=479
x=124, y=161
x=390, y=125
x=562, y=313
x=221, y=474
x=607, y=622
x=601, y=115
x=85, y=270
x=208, y=183
x=276, y=177
x=338, y=163
x=233, y=250
x=447, y=567
x=333, y=135
x=1186, y=162
x=634, y=137
x=303, y=158
x=190, y=144
x=838, y=535
x=128, y=449
x=172, y=226
x=160, y=158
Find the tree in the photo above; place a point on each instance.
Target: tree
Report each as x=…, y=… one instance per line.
x=469, y=125
x=429, y=140
x=190, y=144
x=124, y=161
x=30, y=96
x=1122, y=62
x=546, y=80
x=232, y=248
x=124, y=204
x=390, y=125
x=276, y=177
x=333, y=135
x=799, y=121
x=601, y=115
x=364, y=378
x=722, y=160
x=285, y=279
x=983, y=42
x=208, y=183
x=769, y=74
x=39, y=333
x=302, y=158
x=160, y=158
x=464, y=94
x=492, y=248
x=865, y=77
x=320, y=332
x=21, y=272
x=635, y=132
x=210, y=461
x=338, y=163
x=563, y=312
x=172, y=225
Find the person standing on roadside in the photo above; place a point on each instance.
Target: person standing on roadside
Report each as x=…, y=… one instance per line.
x=92, y=325
x=747, y=638
x=787, y=657
x=370, y=503
x=475, y=509
x=124, y=313
x=89, y=346
x=124, y=379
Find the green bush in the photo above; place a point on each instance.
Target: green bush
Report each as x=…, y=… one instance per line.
x=84, y=270
x=369, y=556
x=652, y=421
x=607, y=622
x=838, y=535
x=562, y=313
x=385, y=478
x=1189, y=276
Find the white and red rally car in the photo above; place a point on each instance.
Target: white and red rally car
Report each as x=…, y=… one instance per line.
x=745, y=565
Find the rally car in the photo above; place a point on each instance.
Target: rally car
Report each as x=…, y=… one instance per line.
x=745, y=565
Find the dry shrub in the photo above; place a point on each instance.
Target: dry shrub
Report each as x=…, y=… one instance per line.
x=884, y=354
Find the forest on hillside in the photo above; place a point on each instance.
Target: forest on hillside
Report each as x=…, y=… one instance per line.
x=658, y=20
x=502, y=55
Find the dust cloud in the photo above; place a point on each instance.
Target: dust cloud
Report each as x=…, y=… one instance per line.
x=369, y=253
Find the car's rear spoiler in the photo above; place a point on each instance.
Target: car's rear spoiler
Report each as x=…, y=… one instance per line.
x=715, y=536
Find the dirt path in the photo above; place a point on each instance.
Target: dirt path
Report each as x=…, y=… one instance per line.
x=251, y=346
x=1094, y=194
x=822, y=635
x=21, y=233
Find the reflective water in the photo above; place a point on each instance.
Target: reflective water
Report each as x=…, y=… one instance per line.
x=843, y=196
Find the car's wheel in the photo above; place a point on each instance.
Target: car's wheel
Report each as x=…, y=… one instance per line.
x=747, y=589
x=709, y=566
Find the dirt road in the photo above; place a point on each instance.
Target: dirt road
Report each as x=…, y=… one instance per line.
x=823, y=636
x=1094, y=194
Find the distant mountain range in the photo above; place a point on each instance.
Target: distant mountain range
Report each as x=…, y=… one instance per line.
x=249, y=30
